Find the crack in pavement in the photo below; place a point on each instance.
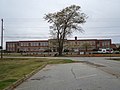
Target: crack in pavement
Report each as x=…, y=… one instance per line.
x=87, y=76
x=73, y=73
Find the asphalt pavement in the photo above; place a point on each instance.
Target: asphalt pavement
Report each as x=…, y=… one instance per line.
x=91, y=74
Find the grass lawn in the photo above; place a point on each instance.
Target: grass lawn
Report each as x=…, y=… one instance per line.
x=12, y=69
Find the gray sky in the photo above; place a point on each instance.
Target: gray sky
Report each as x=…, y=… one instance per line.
x=23, y=19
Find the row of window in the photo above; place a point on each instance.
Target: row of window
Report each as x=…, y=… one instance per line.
x=46, y=43
x=29, y=44
x=11, y=45
x=82, y=42
x=11, y=49
x=33, y=49
x=34, y=44
x=104, y=44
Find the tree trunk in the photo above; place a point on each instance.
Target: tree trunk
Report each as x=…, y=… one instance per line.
x=60, y=50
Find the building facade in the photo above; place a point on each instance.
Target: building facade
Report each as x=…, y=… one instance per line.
x=12, y=46
x=51, y=45
x=27, y=46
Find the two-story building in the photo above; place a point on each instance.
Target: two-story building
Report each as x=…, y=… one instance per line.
x=27, y=46
x=75, y=45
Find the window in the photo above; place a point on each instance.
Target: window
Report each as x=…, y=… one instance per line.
x=21, y=44
x=46, y=43
x=39, y=44
x=108, y=43
x=26, y=44
x=76, y=43
x=92, y=43
x=33, y=44
x=43, y=43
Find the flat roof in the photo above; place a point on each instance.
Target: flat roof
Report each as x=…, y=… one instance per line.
x=54, y=39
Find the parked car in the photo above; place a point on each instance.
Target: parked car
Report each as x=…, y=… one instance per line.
x=105, y=50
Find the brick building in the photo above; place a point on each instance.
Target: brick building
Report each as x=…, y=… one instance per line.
x=12, y=46
x=71, y=45
x=27, y=46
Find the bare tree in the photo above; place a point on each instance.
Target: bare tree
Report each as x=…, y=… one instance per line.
x=64, y=23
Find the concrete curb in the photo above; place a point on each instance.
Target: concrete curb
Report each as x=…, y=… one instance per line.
x=18, y=82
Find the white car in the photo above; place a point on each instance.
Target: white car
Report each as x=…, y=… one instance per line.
x=107, y=50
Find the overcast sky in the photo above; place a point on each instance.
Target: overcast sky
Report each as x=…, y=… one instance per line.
x=23, y=19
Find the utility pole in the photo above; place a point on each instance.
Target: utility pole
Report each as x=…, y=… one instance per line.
x=1, y=38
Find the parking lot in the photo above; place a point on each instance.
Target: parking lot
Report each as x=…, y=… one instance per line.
x=75, y=76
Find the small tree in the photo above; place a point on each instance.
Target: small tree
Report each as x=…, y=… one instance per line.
x=86, y=46
x=64, y=23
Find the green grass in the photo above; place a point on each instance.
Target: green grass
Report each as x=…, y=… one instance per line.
x=5, y=83
x=12, y=69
